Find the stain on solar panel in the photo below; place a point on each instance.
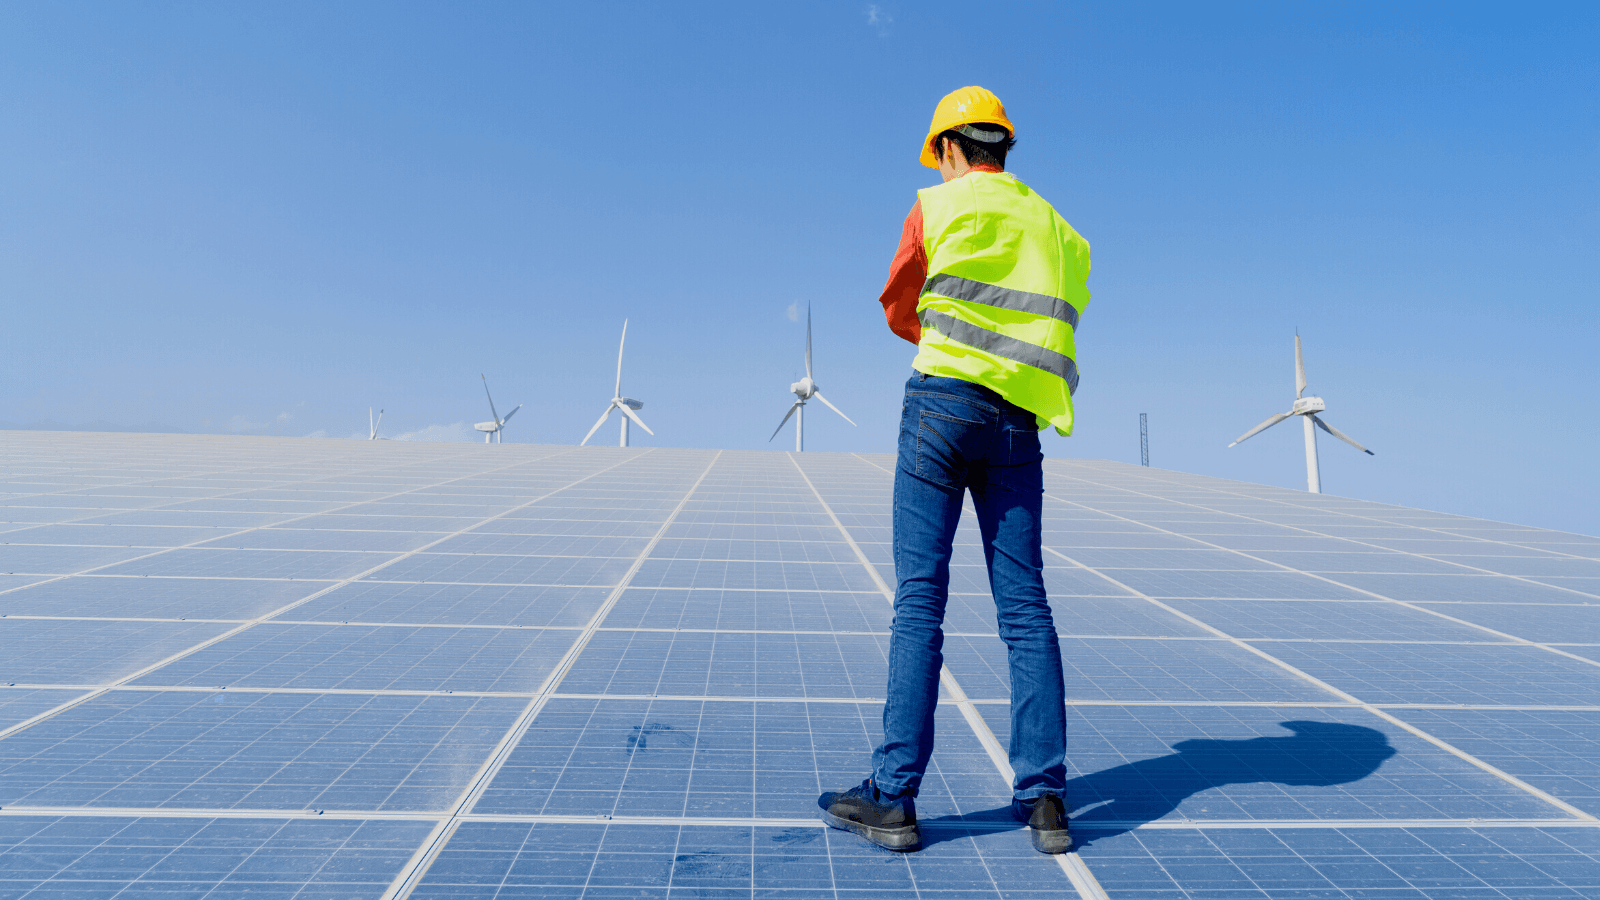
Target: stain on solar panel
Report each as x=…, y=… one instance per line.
x=313, y=667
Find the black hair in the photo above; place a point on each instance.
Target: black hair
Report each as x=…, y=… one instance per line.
x=978, y=153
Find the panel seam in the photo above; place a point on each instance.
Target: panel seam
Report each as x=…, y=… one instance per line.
x=1072, y=865
x=412, y=873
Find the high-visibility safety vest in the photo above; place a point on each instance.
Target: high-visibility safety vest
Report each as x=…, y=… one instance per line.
x=1006, y=284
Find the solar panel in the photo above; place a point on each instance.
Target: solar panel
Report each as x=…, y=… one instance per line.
x=371, y=669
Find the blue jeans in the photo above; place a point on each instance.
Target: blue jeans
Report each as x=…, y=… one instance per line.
x=955, y=437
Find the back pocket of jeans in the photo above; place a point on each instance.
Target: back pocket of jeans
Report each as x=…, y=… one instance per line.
x=941, y=458
x=1022, y=446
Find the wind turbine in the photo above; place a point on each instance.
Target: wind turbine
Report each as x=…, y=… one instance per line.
x=1307, y=408
x=491, y=430
x=804, y=389
x=372, y=427
x=626, y=404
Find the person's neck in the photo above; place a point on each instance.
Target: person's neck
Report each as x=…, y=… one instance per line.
x=961, y=169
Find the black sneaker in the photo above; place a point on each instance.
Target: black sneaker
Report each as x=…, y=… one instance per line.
x=1047, y=822
x=889, y=823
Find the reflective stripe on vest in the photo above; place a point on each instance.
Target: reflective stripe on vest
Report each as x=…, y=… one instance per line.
x=1005, y=290
x=1056, y=364
x=1005, y=298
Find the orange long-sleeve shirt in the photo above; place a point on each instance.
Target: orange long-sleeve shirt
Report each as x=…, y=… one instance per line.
x=908, y=273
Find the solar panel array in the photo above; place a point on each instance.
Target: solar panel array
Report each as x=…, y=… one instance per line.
x=310, y=668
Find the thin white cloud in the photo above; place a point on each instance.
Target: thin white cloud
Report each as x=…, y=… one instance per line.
x=456, y=431
x=879, y=19
x=794, y=311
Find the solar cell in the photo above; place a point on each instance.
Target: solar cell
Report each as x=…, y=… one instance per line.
x=1548, y=623
x=90, y=651
x=36, y=559
x=324, y=667
x=1375, y=862
x=156, y=597
x=718, y=759
x=373, y=658
x=18, y=704
x=455, y=604
x=85, y=856
x=1347, y=620
x=206, y=562
x=111, y=535
x=1131, y=766
x=233, y=749
x=1508, y=674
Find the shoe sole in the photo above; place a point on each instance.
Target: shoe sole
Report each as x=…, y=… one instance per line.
x=1052, y=842
x=901, y=840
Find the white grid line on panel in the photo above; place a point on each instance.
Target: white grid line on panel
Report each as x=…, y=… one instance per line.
x=283, y=609
x=192, y=544
x=1329, y=508
x=757, y=821
x=411, y=874
x=1311, y=531
x=1319, y=577
x=252, y=467
x=848, y=701
x=1072, y=865
x=1349, y=698
x=1509, y=642
x=99, y=512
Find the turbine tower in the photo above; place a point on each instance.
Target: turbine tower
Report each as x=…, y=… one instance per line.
x=1307, y=408
x=492, y=430
x=372, y=427
x=626, y=404
x=804, y=389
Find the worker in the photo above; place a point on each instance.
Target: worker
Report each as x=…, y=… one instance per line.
x=988, y=282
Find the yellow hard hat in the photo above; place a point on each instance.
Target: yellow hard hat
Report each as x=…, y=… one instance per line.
x=963, y=106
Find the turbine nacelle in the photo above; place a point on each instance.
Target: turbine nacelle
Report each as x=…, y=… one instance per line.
x=626, y=405
x=495, y=430
x=804, y=390
x=1307, y=408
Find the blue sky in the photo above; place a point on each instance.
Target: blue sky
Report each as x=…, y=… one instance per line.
x=263, y=218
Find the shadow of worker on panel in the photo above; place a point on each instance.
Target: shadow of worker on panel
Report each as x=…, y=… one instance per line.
x=1319, y=754
x=1116, y=800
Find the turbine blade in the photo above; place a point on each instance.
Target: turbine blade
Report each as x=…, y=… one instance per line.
x=785, y=420
x=808, y=341
x=602, y=420
x=1299, y=370
x=620, y=344
x=372, y=430
x=819, y=396
x=636, y=420
x=1340, y=435
x=489, y=395
x=509, y=415
x=1262, y=427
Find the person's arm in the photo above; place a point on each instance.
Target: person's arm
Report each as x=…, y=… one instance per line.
x=907, y=274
